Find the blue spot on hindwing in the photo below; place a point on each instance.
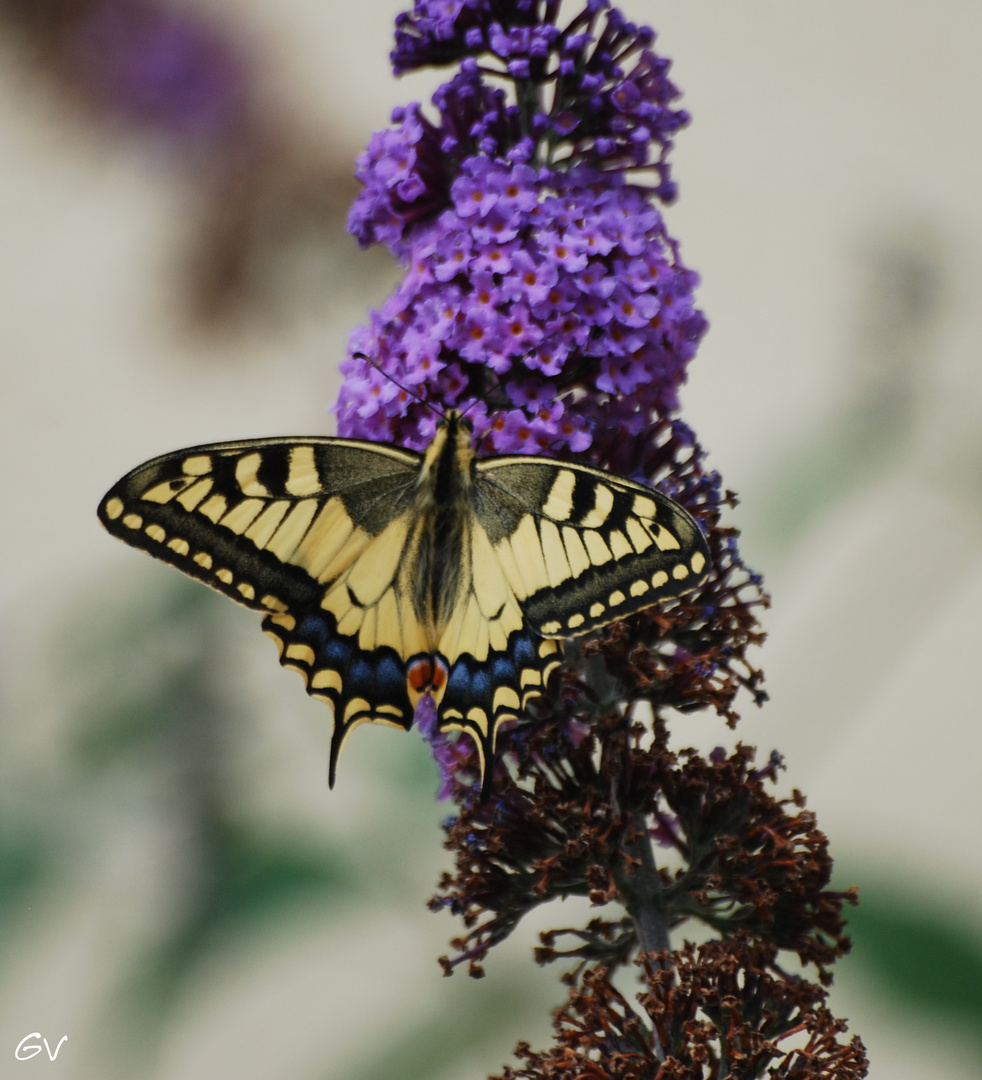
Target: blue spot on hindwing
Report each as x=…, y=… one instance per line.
x=503, y=670
x=481, y=685
x=390, y=674
x=522, y=649
x=361, y=674
x=316, y=629
x=459, y=681
x=375, y=684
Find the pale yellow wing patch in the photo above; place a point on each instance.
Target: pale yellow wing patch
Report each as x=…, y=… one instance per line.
x=488, y=610
x=370, y=599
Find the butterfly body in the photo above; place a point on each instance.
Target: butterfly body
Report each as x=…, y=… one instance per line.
x=442, y=494
x=386, y=575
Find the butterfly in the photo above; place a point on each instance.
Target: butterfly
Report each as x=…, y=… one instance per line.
x=385, y=574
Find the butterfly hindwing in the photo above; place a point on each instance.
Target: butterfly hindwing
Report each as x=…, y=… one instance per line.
x=482, y=694
x=361, y=685
x=495, y=663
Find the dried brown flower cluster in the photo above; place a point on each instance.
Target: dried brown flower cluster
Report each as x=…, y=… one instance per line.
x=723, y=1009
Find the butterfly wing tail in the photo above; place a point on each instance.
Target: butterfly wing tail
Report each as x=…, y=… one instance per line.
x=480, y=695
x=361, y=686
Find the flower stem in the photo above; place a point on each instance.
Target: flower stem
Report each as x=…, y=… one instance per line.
x=641, y=892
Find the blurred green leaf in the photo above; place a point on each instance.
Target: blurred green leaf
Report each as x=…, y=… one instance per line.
x=147, y=670
x=849, y=453
x=255, y=880
x=241, y=884
x=925, y=958
x=23, y=865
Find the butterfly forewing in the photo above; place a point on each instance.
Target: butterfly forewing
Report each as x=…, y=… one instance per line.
x=582, y=548
x=265, y=522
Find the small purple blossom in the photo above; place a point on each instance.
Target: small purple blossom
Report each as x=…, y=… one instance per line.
x=449, y=751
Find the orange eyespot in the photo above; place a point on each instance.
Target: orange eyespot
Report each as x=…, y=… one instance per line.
x=420, y=674
x=426, y=673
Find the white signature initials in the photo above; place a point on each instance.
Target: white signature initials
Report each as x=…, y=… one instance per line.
x=25, y=1053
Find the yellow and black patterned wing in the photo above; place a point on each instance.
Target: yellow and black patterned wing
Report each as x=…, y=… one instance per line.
x=557, y=550
x=309, y=531
x=582, y=547
x=494, y=660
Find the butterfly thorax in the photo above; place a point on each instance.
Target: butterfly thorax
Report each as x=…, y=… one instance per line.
x=442, y=502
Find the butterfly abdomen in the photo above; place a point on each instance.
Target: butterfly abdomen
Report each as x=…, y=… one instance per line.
x=444, y=494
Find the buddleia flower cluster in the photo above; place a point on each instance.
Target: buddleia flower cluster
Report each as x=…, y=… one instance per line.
x=544, y=295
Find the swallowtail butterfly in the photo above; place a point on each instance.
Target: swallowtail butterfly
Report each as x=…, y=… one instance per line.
x=384, y=574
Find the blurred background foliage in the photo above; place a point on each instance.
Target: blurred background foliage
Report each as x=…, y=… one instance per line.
x=178, y=890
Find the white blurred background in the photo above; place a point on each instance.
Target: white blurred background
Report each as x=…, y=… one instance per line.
x=829, y=198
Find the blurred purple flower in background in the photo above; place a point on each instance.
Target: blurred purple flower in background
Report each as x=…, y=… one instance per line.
x=159, y=66
x=194, y=83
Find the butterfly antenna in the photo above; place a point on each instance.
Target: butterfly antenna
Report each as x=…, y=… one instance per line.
x=405, y=389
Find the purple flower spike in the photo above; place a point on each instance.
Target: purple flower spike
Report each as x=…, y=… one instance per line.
x=568, y=276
